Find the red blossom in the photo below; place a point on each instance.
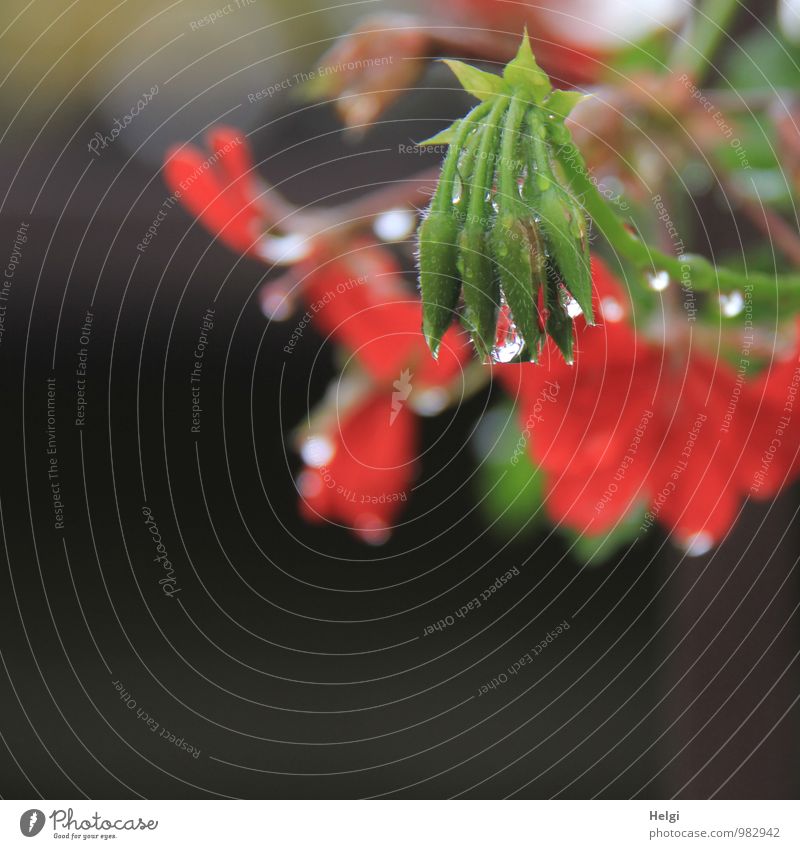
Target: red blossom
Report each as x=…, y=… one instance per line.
x=635, y=423
x=362, y=472
x=361, y=300
x=222, y=189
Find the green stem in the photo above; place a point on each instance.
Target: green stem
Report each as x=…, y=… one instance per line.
x=693, y=50
x=691, y=271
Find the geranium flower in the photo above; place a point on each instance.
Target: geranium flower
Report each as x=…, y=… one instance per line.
x=667, y=429
x=222, y=189
x=360, y=465
x=363, y=470
x=361, y=300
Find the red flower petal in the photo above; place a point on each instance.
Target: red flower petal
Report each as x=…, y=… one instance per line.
x=194, y=179
x=362, y=301
x=365, y=484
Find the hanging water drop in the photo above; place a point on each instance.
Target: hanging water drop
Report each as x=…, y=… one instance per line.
x=571, y=307
x=697, y=544
x=284, y=250
x=430, y=401
x=458, y=189
x=509, y=347
x=658, y=281
x=278, y=299
x=317, y=451
x=371, y=529
x=612, y=309
x=394, y=225
x=731, y=304
x=309, y=484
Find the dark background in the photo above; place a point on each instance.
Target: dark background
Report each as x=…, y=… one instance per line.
x=293, y=656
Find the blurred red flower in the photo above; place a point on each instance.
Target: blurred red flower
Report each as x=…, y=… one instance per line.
x=675, y=432
x=359, y=472
x=219, y=189
x=362, y=472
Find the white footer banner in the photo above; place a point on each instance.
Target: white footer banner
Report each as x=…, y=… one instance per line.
x=402, y=824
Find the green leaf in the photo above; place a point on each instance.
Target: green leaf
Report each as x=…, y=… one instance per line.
x=762, y=60
x=478, y=83
x=651, y=54
x=597, y=550
x=446, y=136
x=560, y=103
x=524, y=74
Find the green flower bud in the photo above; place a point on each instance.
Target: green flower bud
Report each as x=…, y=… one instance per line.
x=516, y=256
x=515, y=239
x=481, y=290
x=515, y=229
x=438, y=242
x=562, y=220
x=559, y=323
x=438, y=274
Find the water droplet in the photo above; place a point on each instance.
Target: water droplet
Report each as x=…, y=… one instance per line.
x=573, y=308
x=278, y=299
x=309, y=484
x=362, y=110
x=509, y=347
x=284, y=250
x=317, y=451
x=731, y=304
x=371, y=529
x=429, y=402
x=612, y=309
x=394, y=225
x=458, y=189
x=658, y=281
x=698, y=544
